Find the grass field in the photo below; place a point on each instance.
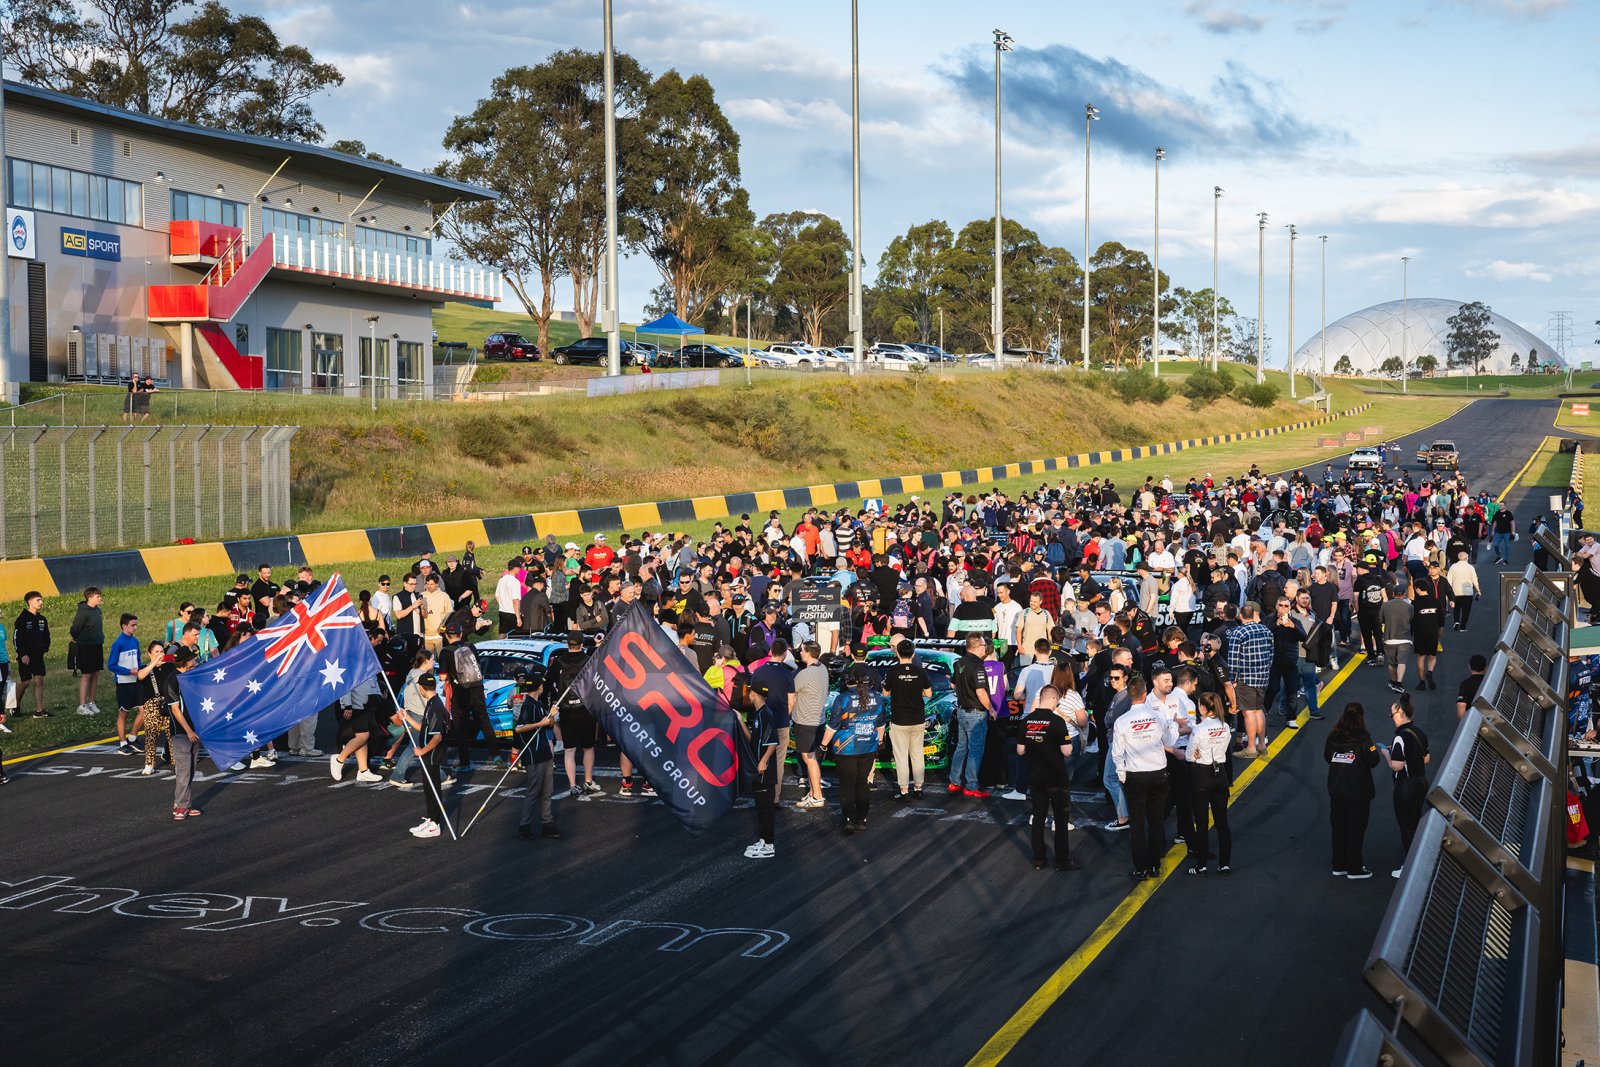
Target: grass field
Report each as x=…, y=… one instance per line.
x=1590, y=423
x=1551, y=468
x=1518, y=386
x=156, y=604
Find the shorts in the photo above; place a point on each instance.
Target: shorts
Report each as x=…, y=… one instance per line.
x=807, y=738
x=578, y=728
x=34, y=668
x=1396, y=650
x=1426, y=642
x=1249, y=697
x=130, y=696
x=91, y=658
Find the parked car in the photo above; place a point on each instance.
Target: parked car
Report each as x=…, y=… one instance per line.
x=509, y=346
x=934, y=353
x=883, y=348
x=795, y=355
x=704, y=355
x=760, y=357
x=590, y=350
x=646, y=354
x=895, y=361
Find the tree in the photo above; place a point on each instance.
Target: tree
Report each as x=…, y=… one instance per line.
x=1239, y=340
x=1123, y=304
x=1471, y=337
x=1039, y=284
x=812, y=273
x=1391, y=366
x=1344, y=366
x=1429, y=362
x=689, y=213
x=174, y=59
x=1516, y=360
x=535, y=140
x=911, y=274
x=1191, y=320
x=359, y=149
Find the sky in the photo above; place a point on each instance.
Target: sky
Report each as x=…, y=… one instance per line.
x=1464, y=134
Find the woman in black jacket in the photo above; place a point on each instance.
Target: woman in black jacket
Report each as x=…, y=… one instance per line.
x=1351, y=755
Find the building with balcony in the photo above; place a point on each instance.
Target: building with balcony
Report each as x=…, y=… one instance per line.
x=216, y=260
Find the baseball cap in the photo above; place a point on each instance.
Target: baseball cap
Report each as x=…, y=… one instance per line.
x=452, y=627
x=570, y=544
x=599, y=539
x=527, y=550
x=427, y=681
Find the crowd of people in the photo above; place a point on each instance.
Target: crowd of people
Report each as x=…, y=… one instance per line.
x=1138, y=641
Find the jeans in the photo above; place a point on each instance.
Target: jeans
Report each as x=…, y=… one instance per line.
x=967, y=754
x=855, y=796
x=1147, y=801
x=537, y=787
x=1113, y=786
x=184, y=757
x=908, y=743
x=403, y=762
x=1054, y=802
x=1308, y=686
x=1502, y=546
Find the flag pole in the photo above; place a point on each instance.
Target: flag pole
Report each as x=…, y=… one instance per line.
x=524, y=751
x=426, y=777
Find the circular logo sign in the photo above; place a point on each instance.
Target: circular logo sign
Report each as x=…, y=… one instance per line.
x=19, y=232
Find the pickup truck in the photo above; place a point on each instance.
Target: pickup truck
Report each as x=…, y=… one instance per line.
x=1365, y=459
x=1441, y=455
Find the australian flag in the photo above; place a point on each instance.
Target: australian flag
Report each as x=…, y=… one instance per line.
x=279, y=676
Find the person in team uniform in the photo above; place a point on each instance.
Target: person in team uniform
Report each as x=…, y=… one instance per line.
x=1046, y=741
x=1408, y=758
x=1351, y=755
x=1430, y=600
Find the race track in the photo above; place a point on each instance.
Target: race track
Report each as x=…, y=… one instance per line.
x=298, y=922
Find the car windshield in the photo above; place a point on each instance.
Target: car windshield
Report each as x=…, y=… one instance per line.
x=502, y=665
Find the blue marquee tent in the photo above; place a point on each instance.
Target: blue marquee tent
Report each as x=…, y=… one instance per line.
x=668, y=326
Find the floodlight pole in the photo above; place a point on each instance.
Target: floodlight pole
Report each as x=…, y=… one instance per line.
x=1405, y=319
x=1216, y=341
x=1002, y=43
x=1090, y=114
x=1294, y=235
x=858, y=347
x=1155, y=318
x=1261, y=299
x=609, y=302
x=1324, y=239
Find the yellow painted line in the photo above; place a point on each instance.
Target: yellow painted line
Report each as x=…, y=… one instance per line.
x=58, y=751
x=1518, y=476
x=1055, y=987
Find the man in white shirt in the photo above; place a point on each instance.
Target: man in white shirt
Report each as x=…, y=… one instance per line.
x=383, y=601
x=508, y=595
x=1007, y=616
x=1171, y=701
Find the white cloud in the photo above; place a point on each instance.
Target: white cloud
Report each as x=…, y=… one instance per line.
x=1452, y=204
x=1218, y=19
x=1501, y=271
x=367, y=70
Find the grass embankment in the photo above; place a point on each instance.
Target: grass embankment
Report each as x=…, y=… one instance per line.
x=411, y=461
x=157, y=604
x=470, y=325
x=1551, y=468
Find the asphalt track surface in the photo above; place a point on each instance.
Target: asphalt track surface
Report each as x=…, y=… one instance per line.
x=298, y=922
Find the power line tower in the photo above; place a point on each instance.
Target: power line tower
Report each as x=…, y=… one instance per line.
x=1559, y=330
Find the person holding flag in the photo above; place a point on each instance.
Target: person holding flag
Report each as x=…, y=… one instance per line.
x=428, y=741
x=534, y=722
x=185, y=740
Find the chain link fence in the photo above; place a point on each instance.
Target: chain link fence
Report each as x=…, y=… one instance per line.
x=69, y=489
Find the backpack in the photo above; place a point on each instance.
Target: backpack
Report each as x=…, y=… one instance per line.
x=900, y=619
x=1055, y=554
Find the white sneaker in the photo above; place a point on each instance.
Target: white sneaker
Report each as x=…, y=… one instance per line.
x=148, y=769
x=237, y=766
x=447, y=781
x=808, y=802
x=431, y=830
x=1013, y=795
x=84, y=709
x=260, y=761
x=760, y=851
x=1397, y=872
x=335, y=767
x=313, y=752
x=4, y=729
x=751, y=850
x=368, y=776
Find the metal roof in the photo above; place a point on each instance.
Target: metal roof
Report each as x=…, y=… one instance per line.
x=313, y=159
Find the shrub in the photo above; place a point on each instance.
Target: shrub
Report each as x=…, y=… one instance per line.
x=1259, y=395
x=482, y=438
x=1205, y=385
x=1140, y=386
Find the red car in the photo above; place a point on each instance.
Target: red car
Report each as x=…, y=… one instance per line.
x=509, y=346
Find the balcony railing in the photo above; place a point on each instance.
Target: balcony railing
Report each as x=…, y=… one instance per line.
x=332, y=257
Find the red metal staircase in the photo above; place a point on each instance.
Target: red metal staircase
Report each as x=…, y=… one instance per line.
x=234, y=273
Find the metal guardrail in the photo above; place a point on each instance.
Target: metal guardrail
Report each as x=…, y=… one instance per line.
x=1469, y=953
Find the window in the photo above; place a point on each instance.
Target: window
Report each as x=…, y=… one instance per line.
x=274, y=220
x=73, y=192
x=202, y=208
x=374, y=372
x=387, y=241
x=283, y=360
x=327, y=362
x=408, y=361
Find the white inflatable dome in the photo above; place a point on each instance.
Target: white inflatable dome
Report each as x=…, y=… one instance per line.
x=1371, y=336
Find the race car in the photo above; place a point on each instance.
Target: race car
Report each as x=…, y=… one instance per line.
x=1365, y=459
x=501, y=661
x=940, y=708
